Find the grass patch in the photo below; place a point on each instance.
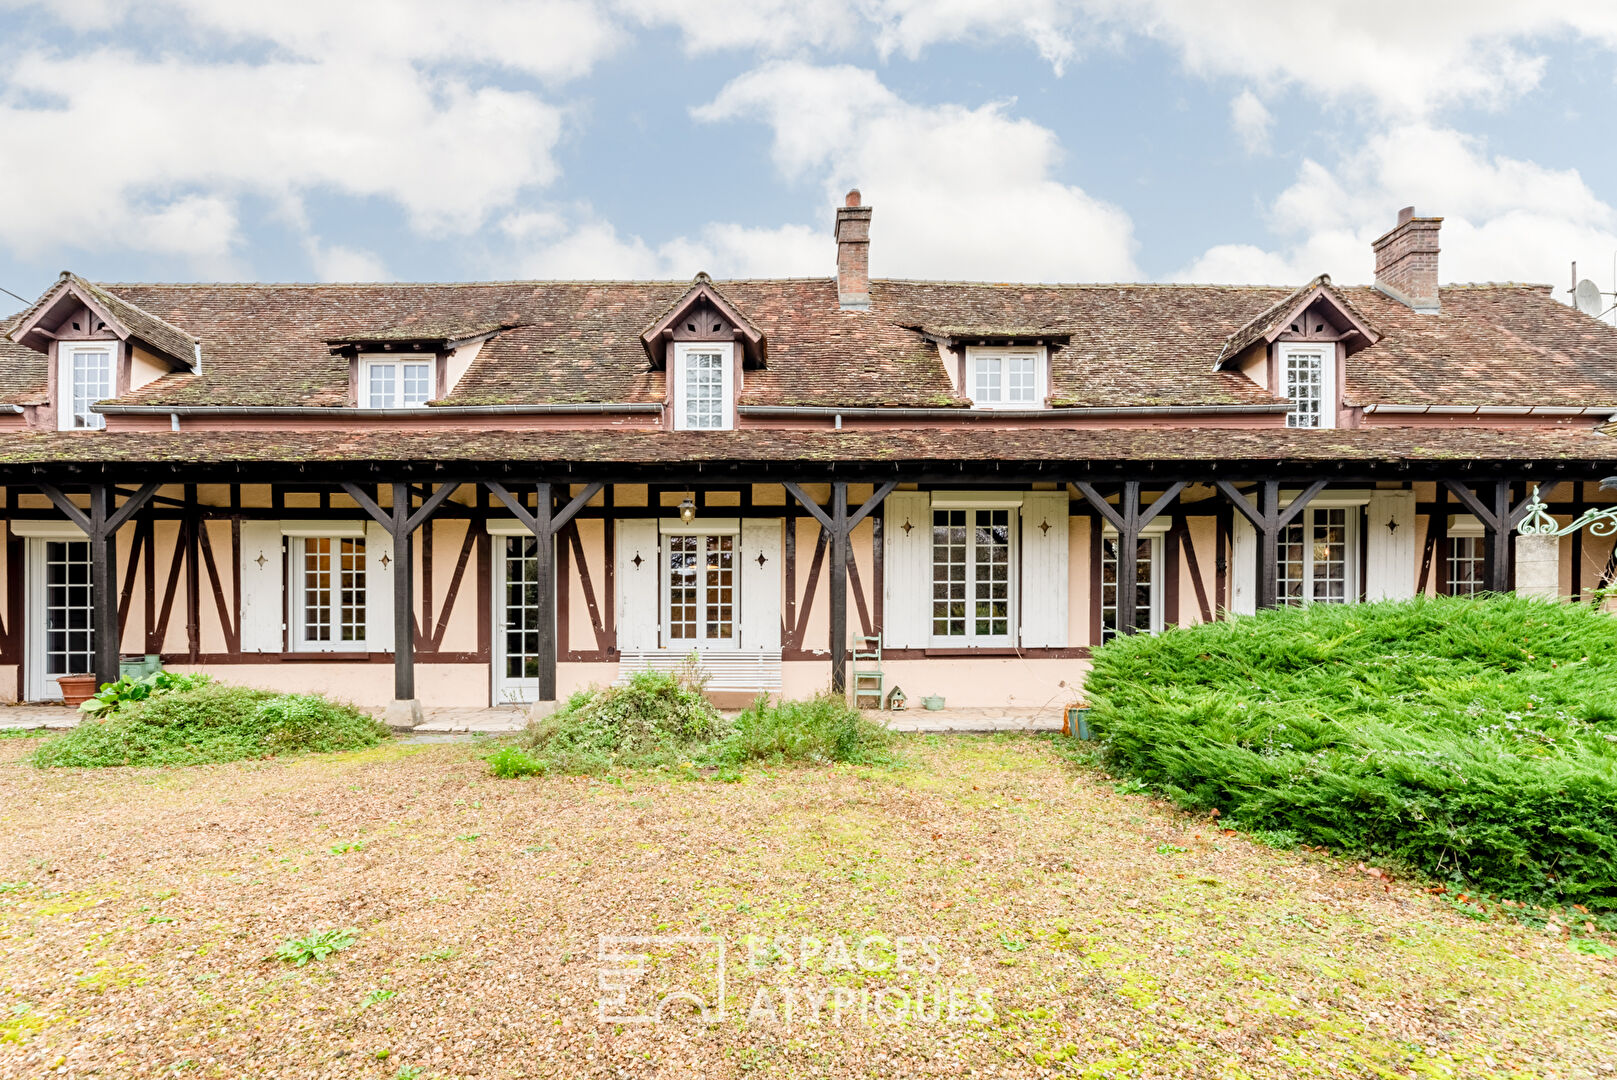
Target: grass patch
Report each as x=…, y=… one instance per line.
x=820, y=729
x=211, y=723
x=1474, y=740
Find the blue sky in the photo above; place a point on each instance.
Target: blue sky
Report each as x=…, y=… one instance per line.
x=1226, y=140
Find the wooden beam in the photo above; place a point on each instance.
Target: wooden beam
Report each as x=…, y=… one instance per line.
x=839, y=586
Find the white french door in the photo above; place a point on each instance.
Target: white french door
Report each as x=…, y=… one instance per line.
x=699, y=594
x=61, y=615
x=516, y=619
x=1319, y=557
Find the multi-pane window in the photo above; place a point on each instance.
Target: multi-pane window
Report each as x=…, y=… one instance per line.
x=1307, y=374
x=85, y=376
x=1000, y=379
x=700, y=589
x=972, y=582
x=69, y=613
x=395, y=384
x=702, y=387
x=1467, y=565
x=521, y=607
x=1316, y=556
x=332, y=593
x=1146, y=573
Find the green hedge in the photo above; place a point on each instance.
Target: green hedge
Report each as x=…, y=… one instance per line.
x=1475, y=740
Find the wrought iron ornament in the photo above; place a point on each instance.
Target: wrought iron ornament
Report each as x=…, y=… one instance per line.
x=1536, y=520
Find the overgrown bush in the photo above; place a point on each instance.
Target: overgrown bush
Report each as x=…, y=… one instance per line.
x=654, y=720
x=821, y=729
x=1475, y=740
x=211, y=723
x=114, y=695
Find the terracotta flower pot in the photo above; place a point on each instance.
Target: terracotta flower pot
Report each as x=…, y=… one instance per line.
x=76, y=689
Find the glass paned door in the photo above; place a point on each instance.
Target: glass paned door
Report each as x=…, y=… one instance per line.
x=699, y=591
x=971, y=576
x=1314, y=562
x=60, y=615
x=517, y=593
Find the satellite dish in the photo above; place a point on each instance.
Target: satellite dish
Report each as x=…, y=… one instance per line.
x=1587, y=299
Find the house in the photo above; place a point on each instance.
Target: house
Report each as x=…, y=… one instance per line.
x=482, y=492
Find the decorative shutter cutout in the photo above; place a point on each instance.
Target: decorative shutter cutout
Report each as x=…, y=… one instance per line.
x=907, y=605
x=761, y=583
x=1044, y=570
x=1244, y=567
x=379, y=587
x=261, y=589
x=637, y=559
x=1390, y=553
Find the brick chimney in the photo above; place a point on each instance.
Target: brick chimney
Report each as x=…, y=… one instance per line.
x=853, y=254
x=1406, y=261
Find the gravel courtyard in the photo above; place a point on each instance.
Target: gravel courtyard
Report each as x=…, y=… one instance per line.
x=1019, y=916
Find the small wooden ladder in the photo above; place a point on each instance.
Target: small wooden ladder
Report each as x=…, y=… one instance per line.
x=868, y=679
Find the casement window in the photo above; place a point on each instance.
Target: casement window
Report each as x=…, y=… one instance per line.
x=704, y=386
x=329, y=579
x=1466, y=555
x=1148, y=610
x=1319, y=557
x=973, y=576
x=1005, y=378
x=86, y=373
x=395, y=384
x=700, y=597
x=1308, y=374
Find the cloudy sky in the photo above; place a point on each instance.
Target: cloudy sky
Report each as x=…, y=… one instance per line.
x=1074, y=140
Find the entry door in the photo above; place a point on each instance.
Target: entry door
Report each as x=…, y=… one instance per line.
x=61, y=615
x=699, y=591
x=516, y=619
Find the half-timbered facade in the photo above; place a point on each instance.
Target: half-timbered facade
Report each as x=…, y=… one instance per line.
x=489, y=492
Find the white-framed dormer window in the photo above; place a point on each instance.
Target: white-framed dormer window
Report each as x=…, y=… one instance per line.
x=86, y=373
x=1148, y=609
x=1005, y=378
x=394, y=383
x=1308, y=374
x=704, y=386
x=329, y=592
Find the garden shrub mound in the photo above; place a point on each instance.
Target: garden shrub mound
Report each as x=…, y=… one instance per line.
x=1473, y=740
x=211, y=722
x=660, y=721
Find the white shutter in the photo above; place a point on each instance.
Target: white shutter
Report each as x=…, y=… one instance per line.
x=907, y=605
x=1044, y=570
x=761, y=583
x=1244, y=567
x=637, y=562
x=379, y=587
x=261, y=587
x=1390, y=553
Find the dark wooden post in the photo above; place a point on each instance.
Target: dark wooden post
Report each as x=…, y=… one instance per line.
x=544, y=525
x=1268, y=519
x=1127, y=519
x=104, y=583
x=1499, y=533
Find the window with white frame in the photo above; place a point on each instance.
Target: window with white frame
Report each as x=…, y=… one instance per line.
x=1308, y=373
x=973, y=576
x=330, y=576
x=1467, y=557
x=1319, y=557
x=86, y=373
x=704, y=386
x=700, y=606
x=1005, y=378
x=394, y=383
x=1148, y=610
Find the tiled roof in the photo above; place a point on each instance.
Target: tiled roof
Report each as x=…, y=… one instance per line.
x=1125, y=345
x=1042, y=446
x=22, y=370
x=151, y=329
x=1265, y=324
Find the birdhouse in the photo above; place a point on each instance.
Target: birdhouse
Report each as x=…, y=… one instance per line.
x=895, y=700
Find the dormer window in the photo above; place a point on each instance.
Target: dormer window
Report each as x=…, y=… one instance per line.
x=1001, y=378
x=394, y=384
x=704, y=386
x=86, y=373
x=1308, y=373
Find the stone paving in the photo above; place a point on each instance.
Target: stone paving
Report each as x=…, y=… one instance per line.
x=445, y=720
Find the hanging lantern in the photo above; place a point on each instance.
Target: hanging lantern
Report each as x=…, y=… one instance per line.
x=687, y=510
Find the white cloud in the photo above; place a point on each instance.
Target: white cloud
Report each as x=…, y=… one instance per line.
x=992, y=209
x=1503, y=218
x=556, y=245
x=1252, y=121
x=336, y=262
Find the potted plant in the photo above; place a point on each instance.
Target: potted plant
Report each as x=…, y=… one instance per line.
x=1076, y=721
x=76, y=689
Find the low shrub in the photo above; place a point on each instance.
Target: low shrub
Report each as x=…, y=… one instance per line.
x=210, y=723
x=1471, y=739
x=508, y=763
x=821, y=729
x=655, y=720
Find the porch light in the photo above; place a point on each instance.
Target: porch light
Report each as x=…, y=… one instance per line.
x=687, y=510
